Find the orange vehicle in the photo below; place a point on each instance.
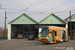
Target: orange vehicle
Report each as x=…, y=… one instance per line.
x=54, y=34
x=20, y=36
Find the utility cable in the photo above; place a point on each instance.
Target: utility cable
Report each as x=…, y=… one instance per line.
x=16, y=9
x=37, y=12
x=57, y=6
x=69, y=8
x=39, y=2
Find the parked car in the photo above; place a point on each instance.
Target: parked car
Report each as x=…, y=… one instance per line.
x=31, y=37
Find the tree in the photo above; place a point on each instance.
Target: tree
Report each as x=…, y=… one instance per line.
x=1, y=31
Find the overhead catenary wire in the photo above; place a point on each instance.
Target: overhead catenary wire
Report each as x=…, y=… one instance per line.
x=69, y=8
x=29, y=6
x=37, y=12
x=16, y=9
x=11, y=9
x=59, y=12
x=39, y=2
x=48, y=14
x=33, y=11
x=30, y=2
x=34, y=4
x=57, y=6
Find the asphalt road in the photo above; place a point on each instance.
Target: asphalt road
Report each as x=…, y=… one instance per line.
x=22, y=44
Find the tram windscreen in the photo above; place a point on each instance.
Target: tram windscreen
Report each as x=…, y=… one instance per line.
x=44, y=32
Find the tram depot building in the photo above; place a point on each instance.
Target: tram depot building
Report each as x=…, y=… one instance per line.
x=25, y=25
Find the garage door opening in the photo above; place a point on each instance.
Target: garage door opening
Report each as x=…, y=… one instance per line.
x=23, y=31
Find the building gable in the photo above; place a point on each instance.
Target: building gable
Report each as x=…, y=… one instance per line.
x=52, y=19
x=23, y=19
x=72, y=18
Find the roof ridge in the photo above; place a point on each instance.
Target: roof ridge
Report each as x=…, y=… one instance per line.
x=54, y=15
x=59, y=18
x=45, y=17
x=20, y=16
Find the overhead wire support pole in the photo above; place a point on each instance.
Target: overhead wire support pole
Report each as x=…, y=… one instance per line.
x=70, y=26
x=5, y=27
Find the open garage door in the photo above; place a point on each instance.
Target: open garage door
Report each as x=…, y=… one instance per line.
x=23, y=31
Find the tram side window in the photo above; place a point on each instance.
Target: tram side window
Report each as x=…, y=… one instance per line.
x=55, y=33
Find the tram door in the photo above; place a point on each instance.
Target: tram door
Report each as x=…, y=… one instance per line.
x=61, y=35
x=53, y=35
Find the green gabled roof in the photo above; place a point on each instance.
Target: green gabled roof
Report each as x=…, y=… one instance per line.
x=52, y=19
x=23, y=19
x=72, y=18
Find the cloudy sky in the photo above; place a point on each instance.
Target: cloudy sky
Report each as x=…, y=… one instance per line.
x=37, y=9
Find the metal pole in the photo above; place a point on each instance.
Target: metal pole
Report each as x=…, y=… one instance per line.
x=70, y=26
x=38, y=28
x=5, y=27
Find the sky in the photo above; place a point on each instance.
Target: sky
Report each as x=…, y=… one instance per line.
x=37, y=9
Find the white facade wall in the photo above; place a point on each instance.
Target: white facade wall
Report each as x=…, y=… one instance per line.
x=9, y=31
x=67, y=25
x=40, y=30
